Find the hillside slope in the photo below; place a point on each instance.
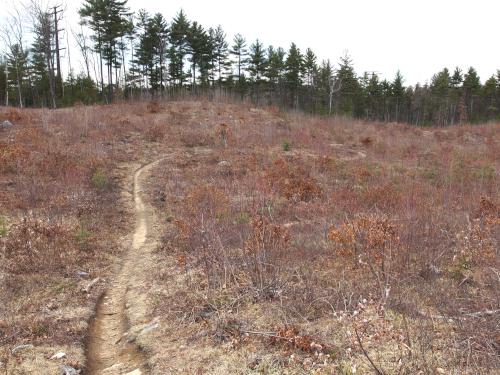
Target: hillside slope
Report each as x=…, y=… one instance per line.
x=275, y=243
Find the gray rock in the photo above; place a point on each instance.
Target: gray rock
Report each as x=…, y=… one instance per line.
x=59, y=355
x=68, y=370
x=82, y=274
x=150, y=327
x=113, y=369
x=90, y=285
x=224, y=167
x=7, y=124
x=435, y=271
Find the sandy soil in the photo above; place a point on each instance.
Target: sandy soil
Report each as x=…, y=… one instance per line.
x=121, y=310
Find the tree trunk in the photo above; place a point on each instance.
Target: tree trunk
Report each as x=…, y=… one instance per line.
x=19, y=92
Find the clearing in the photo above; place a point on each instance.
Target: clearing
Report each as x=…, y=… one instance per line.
x=212, y=238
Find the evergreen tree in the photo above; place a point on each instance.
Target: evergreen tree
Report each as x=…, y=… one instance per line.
x=17, y=66
x=275, y=70
x=179, y=31
x=42, y=58
x=162, y=57
x=3, y=81
x=257, y=65
x=294, y=69
x=350, y=88
x=200, y=50
x=109, y=21
x=151, y=49
x=159, y=31
x=471, y=86
x=398, y=91
x=489, y=94
x=440, y=88
x=457, y=78
x=456, y=94
x=374, y=94
x=310, y=74
x=240, y=53
x=221, y=54
x=310, y=68
x=324, y=84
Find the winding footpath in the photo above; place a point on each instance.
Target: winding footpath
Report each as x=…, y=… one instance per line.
x=111, y=348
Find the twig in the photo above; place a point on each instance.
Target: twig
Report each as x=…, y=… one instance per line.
x=407, y=333
x=267, y=334
x=482, y=313
x=377, y=370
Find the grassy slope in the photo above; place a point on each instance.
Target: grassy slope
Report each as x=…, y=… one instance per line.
x=259, y=237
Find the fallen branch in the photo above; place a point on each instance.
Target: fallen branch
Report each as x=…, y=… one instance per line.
x=377, y=370
x=479, y=314
x=267, y=334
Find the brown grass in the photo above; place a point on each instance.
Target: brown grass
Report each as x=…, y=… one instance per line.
x=355, y=241
x=59, y=224
x=393, y=244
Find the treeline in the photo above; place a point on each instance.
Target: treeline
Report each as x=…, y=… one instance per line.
x=129, y=55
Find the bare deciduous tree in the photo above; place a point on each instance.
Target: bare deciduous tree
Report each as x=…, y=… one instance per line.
x=12, y=35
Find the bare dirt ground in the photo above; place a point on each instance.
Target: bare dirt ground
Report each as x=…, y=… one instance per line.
x=111, y=348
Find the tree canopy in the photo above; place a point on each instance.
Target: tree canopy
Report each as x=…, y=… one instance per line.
x=129, y=55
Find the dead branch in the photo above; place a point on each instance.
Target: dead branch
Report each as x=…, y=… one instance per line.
x=377, y=370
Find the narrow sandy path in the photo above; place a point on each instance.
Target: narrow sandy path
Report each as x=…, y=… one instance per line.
x=111, y=349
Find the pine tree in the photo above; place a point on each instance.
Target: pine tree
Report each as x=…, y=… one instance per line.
x=457, y=78
x=471, y=86
x=294, y=69
x=350, y=88
x=221, y=54
x=240, y=53
x=489, y=96
x=310, y=67
x=159, y=31
x=310, y=74
x=398, y=91
x=441, y=86
x=108, y=19
x=257, y=65
x=275, y=70
x=179, y=31
x=151, y=49
x=456, y=94
x=17, y=63
x=374, y=97
x=42, y=62
x=200, y=49
x=3, y=82
x=324, y=82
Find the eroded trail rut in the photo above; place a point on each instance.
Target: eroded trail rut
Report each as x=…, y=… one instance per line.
x=111, y=349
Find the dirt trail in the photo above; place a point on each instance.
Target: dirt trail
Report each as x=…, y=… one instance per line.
x=111, y=349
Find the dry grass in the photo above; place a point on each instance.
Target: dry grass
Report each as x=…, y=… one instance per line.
x=332, y=228
x=59, y=224
x=291, y=244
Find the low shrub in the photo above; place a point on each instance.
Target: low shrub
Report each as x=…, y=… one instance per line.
x=293, y=183
x=99, y=179
x=3, y=226
x=36, y=246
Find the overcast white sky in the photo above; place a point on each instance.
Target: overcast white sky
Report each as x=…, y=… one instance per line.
x=419, y=37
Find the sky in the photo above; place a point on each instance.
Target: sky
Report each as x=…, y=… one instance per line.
x=418, y=37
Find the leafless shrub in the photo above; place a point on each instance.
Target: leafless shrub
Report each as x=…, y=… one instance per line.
x=293, y=183
x=35, y=246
